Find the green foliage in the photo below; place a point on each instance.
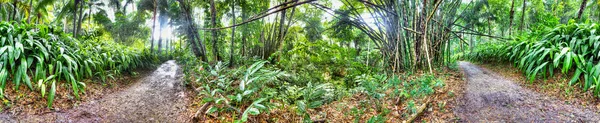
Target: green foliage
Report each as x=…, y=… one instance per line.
x=312, y=74
x=372, y=85
x=572, y=49
x=489, y=52
x=43, y=54
x=323, y=62
x=233, y=89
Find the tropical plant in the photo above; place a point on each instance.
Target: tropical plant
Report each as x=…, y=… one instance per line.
x=562, y=48
x=43, y=56
x=225, y=94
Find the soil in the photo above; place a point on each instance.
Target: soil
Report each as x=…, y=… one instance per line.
x=489, y=97
x=556, y=86
x=159, y=97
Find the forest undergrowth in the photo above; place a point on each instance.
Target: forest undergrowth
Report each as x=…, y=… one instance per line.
x=323, y=90
x=39, y=63
x=560, y=60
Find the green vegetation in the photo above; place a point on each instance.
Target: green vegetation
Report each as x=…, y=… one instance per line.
x=553, y=37
x=41, y=56
x=252, y=59
x=258, y=88
x=569, y=49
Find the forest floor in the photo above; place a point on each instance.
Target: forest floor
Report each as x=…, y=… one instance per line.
x=158, y=97
x=490, y=97
x=161, y=97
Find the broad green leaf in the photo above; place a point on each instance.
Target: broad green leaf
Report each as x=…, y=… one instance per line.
x=52, y=93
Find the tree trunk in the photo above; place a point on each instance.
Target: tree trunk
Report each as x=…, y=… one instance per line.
x=523, y=15
x=125, y=6
x=159, y=48
x=14, y=13
x=231, y=60
x=511, y=16
x=30, y=11
x=81, y=5
x=357, y=47
x=167, y=45
x=90, y=15
x=75, y=18
x=581, y=9
x=425, y=35
x=244, y=32
x=198, y=49
x=153, y=27
x=213, y=18
x=163, y=21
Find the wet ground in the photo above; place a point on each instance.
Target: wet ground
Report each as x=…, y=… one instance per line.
x=159, y=97
x=491, y=98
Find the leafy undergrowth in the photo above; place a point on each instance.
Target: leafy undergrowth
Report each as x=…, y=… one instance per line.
x=261, y=92
x=556, y=86
x=39, y=62
x=571, y=50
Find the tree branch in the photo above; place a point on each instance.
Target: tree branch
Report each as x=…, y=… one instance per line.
x=264, y=14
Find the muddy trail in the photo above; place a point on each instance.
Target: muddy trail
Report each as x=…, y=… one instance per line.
x=159, y=97
x=489, y=97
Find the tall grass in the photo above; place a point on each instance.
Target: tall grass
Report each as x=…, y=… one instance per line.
x=41, y=56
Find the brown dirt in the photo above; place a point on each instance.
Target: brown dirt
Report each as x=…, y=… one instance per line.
x=30, y=102
x=441, y=109
x=489, y=97
x=159, y=97
x=556, y=86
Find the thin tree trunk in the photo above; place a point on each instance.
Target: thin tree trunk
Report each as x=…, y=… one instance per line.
x=231, y=60
x=153, y=27
x=30, y=11
x=244, y=32
x=511, y=16
x=64, y=25
x=283, y=31
x=213, y=14
x=523, y=15
x=14, y=13
x=81, y=5
x=159, y=48
x=75, y=18
x=168, y=47
x=90, y=15
x=163, y=21
x=425, y=35
x=357, y=47
x=581, y=9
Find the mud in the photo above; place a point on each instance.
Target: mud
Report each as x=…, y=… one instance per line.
x=159, y=97
x=491, y=98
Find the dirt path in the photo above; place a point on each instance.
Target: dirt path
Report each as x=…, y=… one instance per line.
x=489, y=97
x=159, y=97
